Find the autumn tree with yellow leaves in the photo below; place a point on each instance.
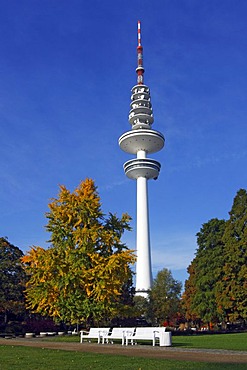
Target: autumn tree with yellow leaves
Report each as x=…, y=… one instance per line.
x=85, y=273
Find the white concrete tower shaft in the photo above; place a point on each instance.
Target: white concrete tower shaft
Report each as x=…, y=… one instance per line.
x=143, y=252
x=142, y=140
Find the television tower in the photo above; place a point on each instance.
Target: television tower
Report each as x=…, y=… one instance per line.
x=142, y=140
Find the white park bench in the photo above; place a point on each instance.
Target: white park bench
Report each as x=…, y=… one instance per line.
x=117, y=334
x=154, y=334
x=94, y=333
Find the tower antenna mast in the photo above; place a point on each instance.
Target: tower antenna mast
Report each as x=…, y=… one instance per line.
x=139, y=70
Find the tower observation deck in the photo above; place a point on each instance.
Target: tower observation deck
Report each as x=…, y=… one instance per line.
x=141, y=141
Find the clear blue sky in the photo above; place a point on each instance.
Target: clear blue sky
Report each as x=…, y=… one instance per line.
x=66, y=70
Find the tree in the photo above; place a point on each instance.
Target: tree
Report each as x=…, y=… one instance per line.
x=84, y=274
x=188, y=295
x=12, y=280
x=216, y=288
x=206, y=270
x=232, y=287
x=164, y=297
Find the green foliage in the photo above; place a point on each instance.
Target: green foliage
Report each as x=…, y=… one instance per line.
x=164, y=298
x=12, y=279
x=84, y=274
x=205, y=270
x=162, y=303
x=232, y=287
x=141, y=307
x=217, y=284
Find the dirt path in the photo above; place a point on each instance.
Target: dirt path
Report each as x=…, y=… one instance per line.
x=181, y=354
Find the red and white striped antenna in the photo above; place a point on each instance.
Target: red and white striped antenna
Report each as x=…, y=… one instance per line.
x=139, y=69
x=139, y=33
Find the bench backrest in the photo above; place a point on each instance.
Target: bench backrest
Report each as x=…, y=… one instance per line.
x=94, y=332
x=129, y=331
x=119, y=332
x=148, y=332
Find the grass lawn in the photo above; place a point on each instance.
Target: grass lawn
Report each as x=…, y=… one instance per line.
x=16, y=358
x=236, y=342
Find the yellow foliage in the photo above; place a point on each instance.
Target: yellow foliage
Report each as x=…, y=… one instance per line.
x=83, y=270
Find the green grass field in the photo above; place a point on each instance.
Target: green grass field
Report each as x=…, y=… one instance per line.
x=16, y=357
x=235, y=342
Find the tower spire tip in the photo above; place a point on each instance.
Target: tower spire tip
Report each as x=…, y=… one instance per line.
x=139, y=69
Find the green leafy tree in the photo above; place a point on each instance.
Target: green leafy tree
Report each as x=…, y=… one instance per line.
x=85, y=275
x=232, y=287
x=12, y=280
x=208, y=265
x=164, y=298
x=217, y=284
x=140, y=310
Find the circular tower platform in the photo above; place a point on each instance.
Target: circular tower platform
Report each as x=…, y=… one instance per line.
x=142, y=167
x=150, y=141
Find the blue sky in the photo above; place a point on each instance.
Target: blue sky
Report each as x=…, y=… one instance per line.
x=66, y=70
